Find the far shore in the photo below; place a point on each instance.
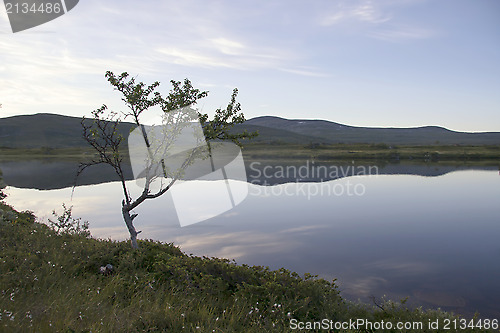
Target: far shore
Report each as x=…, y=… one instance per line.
x=341, y=153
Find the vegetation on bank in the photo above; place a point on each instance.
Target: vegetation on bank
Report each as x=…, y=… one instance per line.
x=320, y=152
x=372, y=152
x=70, y=153
x=51, y=282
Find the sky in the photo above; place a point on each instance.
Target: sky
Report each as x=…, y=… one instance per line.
x=384, y=63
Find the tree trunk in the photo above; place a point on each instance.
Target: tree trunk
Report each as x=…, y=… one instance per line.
x=130, y=225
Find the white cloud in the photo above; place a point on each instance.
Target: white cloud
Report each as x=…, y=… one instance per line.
x=223, y=53
x=375, y=20
x=400, y=33
x=227, y=46
x=365, y=11
x=4, y=21
x=63, y=71
x=38, y=77
x=191, y=58
x=305, y=72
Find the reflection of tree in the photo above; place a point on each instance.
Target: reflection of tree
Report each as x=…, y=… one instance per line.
x=2, y=186
x=103, y=136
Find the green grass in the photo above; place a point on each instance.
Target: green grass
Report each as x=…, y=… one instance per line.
x=46, y=152
x=370, y=152
x=50, y=282
x=321, y=152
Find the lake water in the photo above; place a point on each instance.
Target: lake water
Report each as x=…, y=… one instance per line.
x=434, y=239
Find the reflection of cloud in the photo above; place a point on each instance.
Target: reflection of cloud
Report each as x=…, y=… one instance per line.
x=116, y=233
x=304, y=229
x=231, y=214
x=400, y=266
x=363, y=287
x=234, y=245
x=440, y=298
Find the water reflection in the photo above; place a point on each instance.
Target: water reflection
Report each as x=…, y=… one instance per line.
x=55, y=173
x=434, y=239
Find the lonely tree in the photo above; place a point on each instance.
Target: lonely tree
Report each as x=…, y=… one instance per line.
x=102, y=133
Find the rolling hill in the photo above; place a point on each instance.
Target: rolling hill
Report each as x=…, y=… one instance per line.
x=330, y=132
x=58, y=131
x=45, y=130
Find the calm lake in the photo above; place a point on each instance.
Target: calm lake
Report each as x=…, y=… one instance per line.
x=430, y=233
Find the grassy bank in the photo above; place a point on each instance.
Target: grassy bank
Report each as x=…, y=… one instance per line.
x=50, y=282
x=321, y=152
x=46, y=152
x=379, y=152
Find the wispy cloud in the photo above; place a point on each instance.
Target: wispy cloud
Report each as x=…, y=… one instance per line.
x=145, y=44
x=375, y=20
x=227, y=46
x=186, y=57
x=4, y=21
x=223, y=53
x=254, y=46
x=305, y=72
x=365, y=11
x=401, y=33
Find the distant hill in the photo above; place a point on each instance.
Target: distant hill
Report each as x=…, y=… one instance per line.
x=322, y=131
x=45, y=130
x=57, y=131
